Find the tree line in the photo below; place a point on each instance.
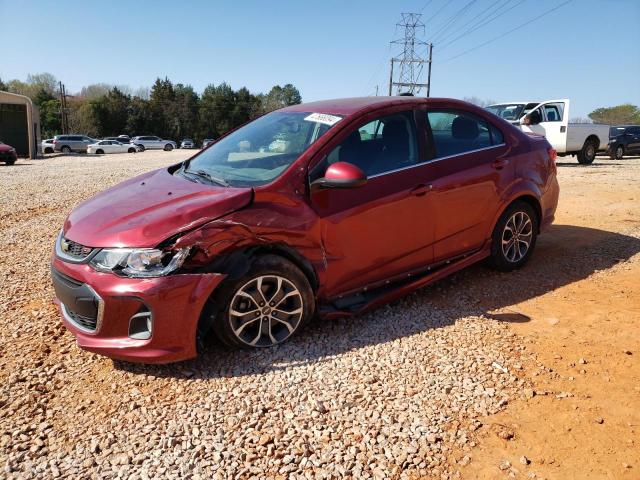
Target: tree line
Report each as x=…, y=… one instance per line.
x=168, y=110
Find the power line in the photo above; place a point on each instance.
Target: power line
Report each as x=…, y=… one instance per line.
x=477, y=19
x=508, y=32
x=453, y=19
x=439, y=10
x=478, y=26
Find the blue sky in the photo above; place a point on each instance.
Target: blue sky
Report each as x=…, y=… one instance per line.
x=588, y=50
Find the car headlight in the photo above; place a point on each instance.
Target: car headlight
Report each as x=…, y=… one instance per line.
x=139, y=262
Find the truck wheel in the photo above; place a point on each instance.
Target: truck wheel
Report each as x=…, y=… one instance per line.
x=587, y=155
x=263, y=308
x=618, y=153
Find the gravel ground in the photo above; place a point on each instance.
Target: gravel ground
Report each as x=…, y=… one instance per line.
x=386, y=395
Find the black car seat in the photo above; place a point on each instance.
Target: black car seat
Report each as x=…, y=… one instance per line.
x=395, y=147
x=466, y=131
x=352, y=151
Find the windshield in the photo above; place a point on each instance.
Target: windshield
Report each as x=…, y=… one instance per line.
x=511, y=111
x=615, y=131
x=261, y=150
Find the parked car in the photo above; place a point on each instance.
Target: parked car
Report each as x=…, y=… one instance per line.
x=333, y=207
x=624, y=140
x=551, y=119
x=121, y=139
x=111, y=146
x=206, y=142
x=8, y=154
x=187, y=143
x=47, y=145
x=150, y=142
x=72, y=143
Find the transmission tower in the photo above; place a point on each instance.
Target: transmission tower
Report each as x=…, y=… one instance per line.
x=410, y=63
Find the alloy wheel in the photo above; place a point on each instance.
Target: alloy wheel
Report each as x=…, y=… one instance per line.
x=517, y=236
x=619, y=152
x=265, y=311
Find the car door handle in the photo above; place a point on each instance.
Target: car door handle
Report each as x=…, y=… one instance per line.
x=421, y=190
x=500, y=164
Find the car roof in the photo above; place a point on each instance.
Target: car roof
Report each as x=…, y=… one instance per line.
x=348, y=106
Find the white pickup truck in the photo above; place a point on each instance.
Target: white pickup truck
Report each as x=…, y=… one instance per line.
x=551, y=119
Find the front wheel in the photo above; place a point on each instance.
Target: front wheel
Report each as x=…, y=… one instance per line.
x=132, y=150
x=141, y=147
x=514, y=237
x=263, y=308
x=99, y=152
x=168, y=147
x=66, y=149
x=587, y=155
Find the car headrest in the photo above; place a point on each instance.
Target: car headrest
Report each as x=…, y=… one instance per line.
x=464, y=128
x=353, y=140
x=395, y=131
x=551, y=116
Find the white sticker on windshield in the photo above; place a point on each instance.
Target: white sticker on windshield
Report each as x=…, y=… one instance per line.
x=323, y=118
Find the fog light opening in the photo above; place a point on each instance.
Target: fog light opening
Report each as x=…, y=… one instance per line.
x=141, y=325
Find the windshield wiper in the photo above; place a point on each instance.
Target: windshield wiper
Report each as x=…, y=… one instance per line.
x=208, y=176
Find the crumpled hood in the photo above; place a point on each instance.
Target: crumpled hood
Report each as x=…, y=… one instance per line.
x=145, y=210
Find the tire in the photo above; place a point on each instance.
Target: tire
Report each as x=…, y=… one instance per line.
x=587, y=155
x=168, y=147
x=66, y=149
x=618, y=153
x=132, y=150
x=9, y=162
x=507, y=255
x=48, y=150
x=141, y=148
x=230, y=312
x=99, y=152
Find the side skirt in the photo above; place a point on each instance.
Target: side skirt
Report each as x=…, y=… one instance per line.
x=367, y=300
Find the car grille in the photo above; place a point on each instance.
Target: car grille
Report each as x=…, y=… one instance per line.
x=85, y=322
x=74, y=249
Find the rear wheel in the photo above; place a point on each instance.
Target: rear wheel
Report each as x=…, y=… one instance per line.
x=132, y=150
x=514, y=237
x=9, y=162
x=263, y=308
x=48, y=150
x=99, y=151
x=141, y=148
x=587, y=155
x=168, y=147
x=66, y=149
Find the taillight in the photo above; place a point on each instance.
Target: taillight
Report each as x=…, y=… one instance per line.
x=553, y=155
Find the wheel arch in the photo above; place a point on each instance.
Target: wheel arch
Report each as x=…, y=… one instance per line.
x=522, y=196
x=595, y=139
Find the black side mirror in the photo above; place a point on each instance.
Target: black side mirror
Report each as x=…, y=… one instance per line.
x=341, y=175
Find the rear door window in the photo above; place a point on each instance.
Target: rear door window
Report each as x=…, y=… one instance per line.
x=457, y=132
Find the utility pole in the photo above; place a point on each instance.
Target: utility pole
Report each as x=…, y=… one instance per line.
x=410, y=63
x=429, y=74
x=64, y=119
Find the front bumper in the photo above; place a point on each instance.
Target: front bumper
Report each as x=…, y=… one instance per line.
x=99, y=309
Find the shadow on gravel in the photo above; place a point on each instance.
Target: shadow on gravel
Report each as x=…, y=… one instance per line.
x=17, y=164
x=564, y=254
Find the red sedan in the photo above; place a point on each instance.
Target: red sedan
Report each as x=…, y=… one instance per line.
x=329, y=208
